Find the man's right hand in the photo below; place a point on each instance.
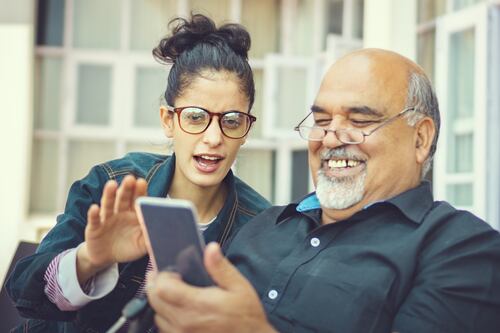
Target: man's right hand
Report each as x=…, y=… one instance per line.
x=113, y=234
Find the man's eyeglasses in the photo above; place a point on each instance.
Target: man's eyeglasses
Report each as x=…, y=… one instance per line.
x=350, y=136
x=195, y=120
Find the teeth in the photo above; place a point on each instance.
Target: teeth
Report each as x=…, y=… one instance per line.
x=211, y=158
x=342, y=163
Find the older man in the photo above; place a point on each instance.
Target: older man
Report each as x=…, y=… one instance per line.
x=370, y=250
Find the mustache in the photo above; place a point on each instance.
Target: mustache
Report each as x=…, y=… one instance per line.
x=339, y=153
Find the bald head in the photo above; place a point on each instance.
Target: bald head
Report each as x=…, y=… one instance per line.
x=381, y=74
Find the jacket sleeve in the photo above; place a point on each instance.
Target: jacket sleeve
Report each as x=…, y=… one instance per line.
x=25, y=285
x=457, y=285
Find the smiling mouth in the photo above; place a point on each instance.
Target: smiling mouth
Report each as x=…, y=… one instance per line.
x=342, y=167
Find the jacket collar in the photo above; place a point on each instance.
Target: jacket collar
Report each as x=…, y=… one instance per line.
x=160, y=179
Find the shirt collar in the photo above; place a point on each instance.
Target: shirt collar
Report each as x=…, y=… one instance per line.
x=414, y=204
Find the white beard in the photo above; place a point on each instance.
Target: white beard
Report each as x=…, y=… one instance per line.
x=339, y=193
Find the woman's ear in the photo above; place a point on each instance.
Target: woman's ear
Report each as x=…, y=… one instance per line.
x=425, y=132
x=167, y=121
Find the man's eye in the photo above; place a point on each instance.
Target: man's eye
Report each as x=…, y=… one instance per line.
x=322, y=122
x=360, y=122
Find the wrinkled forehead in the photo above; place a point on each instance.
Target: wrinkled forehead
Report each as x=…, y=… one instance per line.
x=378, y=82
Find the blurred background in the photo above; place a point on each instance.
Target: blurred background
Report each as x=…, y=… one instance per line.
x=78, y=86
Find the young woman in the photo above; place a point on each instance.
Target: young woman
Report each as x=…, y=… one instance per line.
x=94, y=260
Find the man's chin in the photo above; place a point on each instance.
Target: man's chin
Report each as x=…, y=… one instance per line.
x=339, y=193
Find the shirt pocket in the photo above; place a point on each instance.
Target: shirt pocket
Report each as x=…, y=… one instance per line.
x=342, y=298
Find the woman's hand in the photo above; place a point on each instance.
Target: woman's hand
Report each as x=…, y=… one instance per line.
x=113, y=234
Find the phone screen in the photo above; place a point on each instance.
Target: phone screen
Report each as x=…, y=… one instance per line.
x=174, y=238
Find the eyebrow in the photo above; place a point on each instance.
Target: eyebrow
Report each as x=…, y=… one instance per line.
x=365, y=110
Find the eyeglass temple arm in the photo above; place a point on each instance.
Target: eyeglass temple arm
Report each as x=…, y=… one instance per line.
x=389, y=121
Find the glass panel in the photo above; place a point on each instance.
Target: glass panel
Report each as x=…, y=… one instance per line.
x=300, y=174
x=303, y=28
x=149, y=86
x=217, y=10
x=461, y=75
x=50, y=22
x=261, y=18
x=97, y=24
x=291, y=96
x=82, y=156
x=155, y=148
x=426, y=48
x=459, y=4
x=460, y=194
x=430, y=9
x=256, y=130
x=358, y=18
x=149, y=20
x=44, y=177
x=334, y=16
x=256, y=167
x=461, y=153
x=94, y=94
x=47, y=93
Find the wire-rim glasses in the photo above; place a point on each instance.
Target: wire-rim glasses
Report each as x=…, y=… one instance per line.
x=351, y=136
x=196, y=120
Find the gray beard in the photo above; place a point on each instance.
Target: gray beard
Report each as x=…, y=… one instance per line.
x=340, y=193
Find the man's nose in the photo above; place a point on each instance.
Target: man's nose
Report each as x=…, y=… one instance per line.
x=331, y=139
x=213, y=134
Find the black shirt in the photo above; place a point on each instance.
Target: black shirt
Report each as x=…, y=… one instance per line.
x=407, y=264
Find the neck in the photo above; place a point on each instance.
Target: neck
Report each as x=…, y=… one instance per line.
x=207, y=200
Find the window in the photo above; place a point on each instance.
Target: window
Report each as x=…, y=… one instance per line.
x=98, y=88
x=464, y=172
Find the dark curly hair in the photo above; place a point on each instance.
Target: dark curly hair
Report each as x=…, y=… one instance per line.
x=196, y=45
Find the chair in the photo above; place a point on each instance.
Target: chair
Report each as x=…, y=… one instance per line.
x=9, y=315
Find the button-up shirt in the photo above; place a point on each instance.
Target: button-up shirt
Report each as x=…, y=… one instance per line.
x=407, y=264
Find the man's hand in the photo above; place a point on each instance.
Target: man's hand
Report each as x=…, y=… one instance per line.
x=231, y=306
x=113, y=233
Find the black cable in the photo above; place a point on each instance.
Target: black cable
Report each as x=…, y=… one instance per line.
x=132, y=310
x=143, y=322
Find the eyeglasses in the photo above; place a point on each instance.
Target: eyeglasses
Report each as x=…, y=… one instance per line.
x=195, y=120
x=350, y=136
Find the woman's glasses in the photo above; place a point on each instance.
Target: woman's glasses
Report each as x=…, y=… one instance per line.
x=195, y=120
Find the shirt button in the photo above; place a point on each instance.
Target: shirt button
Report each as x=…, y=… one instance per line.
x=315, y=242
x=272, y=294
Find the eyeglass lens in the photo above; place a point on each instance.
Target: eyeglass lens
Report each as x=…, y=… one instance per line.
x=232, y=124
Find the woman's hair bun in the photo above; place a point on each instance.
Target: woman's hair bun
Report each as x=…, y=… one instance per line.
x=186, y=34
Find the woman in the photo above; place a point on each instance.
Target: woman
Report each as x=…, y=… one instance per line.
x=94, y=260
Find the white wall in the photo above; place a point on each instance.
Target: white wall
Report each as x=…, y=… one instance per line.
x=391, y=24
x=16, y=81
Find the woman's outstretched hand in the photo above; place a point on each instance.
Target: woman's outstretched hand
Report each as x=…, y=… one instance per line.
x=113, y=234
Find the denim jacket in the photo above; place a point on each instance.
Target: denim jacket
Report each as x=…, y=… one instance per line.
x=26, y=284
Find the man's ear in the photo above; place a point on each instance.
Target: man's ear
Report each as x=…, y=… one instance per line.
x=424, y=136
x=167, y=121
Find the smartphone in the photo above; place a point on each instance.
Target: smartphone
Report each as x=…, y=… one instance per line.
x=173, y=238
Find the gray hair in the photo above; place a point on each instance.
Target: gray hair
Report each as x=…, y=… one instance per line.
x=422, y=97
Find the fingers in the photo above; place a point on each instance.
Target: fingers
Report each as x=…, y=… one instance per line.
x=125, y=195
x=108, y=199
x=168, y=287
x=93, y=219
x=224, y=274
x=141, y=187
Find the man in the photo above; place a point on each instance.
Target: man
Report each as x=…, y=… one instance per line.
x=369, y=251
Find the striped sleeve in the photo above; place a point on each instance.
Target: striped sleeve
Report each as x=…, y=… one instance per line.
x=53, y=289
